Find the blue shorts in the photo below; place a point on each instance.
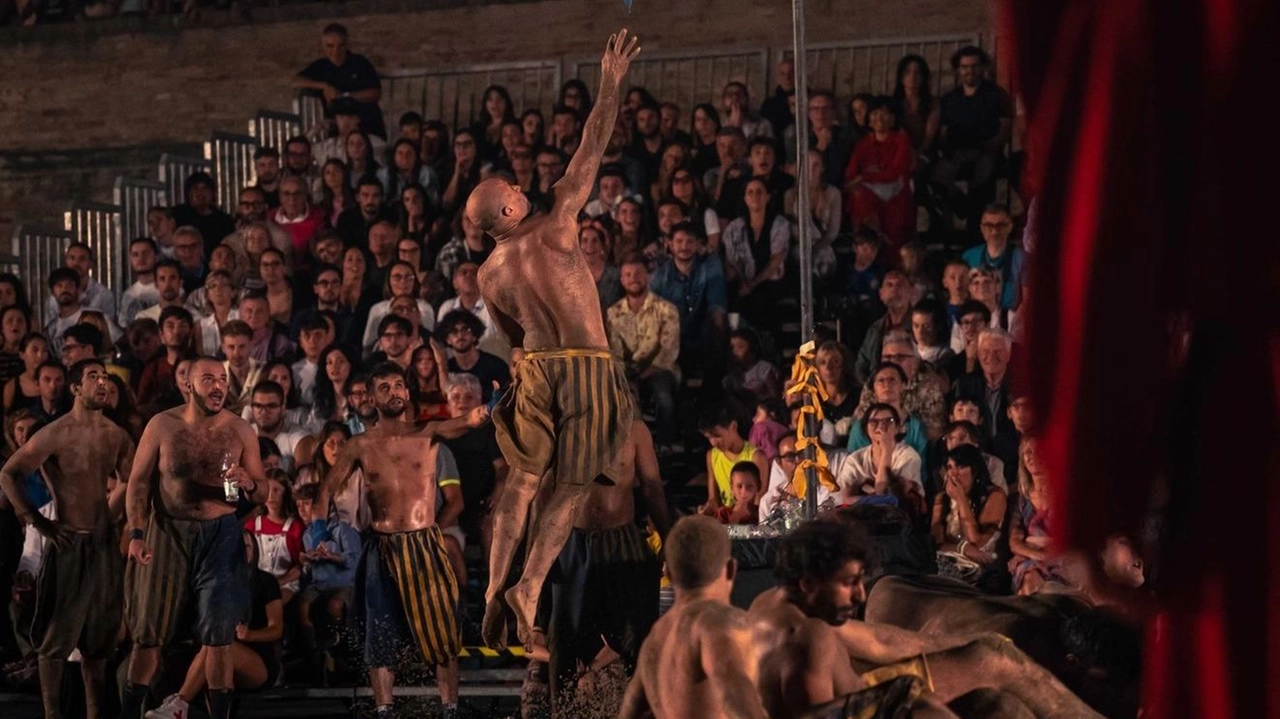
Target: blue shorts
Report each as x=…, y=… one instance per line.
x=195, y=565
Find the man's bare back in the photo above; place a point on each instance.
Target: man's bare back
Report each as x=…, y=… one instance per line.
x=191, y=459
x=78, y=456
x=678, y=666
x=609, y=506
x=543, y=285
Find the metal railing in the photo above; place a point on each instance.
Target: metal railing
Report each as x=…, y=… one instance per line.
x=232, y=159
x=38, y=251
x=136, y=198
x=310, y=110
x=174, y=171
x=98, y=226
x=848, y=68
x=273, y=129
x=688, y=79
x=456, y=95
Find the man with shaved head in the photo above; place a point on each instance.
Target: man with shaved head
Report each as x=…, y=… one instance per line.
x=699, y=660
x=185, y=544
x=566, y=417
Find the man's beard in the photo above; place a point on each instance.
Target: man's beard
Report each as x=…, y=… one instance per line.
x=207, y=404
x=391, y=411
x=66, y=300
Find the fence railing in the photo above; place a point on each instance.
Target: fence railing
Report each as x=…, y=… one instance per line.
x=98, y=226
x=135, y=198
x=456, y=96
x=273, y=129
x=38, y=251
x=848, y=68
x=310, y=110
x=688, y=79
x=232, y=158
x=174, y=171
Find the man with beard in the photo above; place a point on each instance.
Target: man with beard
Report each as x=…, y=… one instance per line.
x=143, y=293
x=698, y=661
x=79, y=595
x=406, y=592
x=93, y=295
x=355, y=223
x=185, y=546
x=64, y=290
x=266, y=167
x=168, y=285
x=812, y=647
x=202, y=212
x=648, y=144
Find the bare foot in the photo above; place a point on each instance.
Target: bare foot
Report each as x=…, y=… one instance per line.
x=524, y=607
x=493, y=630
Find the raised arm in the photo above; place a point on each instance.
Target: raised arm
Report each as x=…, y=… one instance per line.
x=572, y=191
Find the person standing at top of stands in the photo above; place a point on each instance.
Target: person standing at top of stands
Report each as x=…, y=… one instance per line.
x=93, y=294
x=341, y=73
x=266, y=168
x=202, y=212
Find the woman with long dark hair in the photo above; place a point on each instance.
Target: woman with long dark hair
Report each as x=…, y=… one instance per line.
x=465, y=176
x=756, y=246
x=968, y=516
x=360, y=157
x=706, y=125
x=15, y=323
x=335, y=367
x=919, y=114
x=336, y=191
x=534, y=128
x=428, y=368
x=12, y=292
x=405, y=169
x=122, y=407
x=496, y=110
x=686, y=186
x=23, y=389
x=415, y=215
x=574, y=94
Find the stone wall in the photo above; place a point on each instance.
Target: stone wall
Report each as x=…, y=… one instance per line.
x=127, y=88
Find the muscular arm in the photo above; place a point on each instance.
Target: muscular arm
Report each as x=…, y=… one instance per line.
x=26, y=460
x=572, y=191
x=275, y=625
x=635, y=705
x=880, y=644
x=115, y=502
x=251, y=460
x=138, y=489
x=655, y=498
x=728, y=661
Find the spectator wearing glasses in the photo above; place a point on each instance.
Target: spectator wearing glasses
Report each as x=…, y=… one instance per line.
x=401, y=282
x=887, y=466
x=297, y=217
x=998, y=256
x=828, y=138
x=462, y=332
x=550, y=164
x=467, y=297
x=188, y=250
x=267, y=405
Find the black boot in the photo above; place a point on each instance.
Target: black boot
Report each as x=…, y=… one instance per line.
x=220, y=704
x=133, y=700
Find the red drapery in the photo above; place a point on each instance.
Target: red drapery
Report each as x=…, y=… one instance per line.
x=1151, y=147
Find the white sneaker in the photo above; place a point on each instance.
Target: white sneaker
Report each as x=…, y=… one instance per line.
x=173, y=707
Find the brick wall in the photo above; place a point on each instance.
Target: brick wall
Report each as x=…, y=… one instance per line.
x=121, y=86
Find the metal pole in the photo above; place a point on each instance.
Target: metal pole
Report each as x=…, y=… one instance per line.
x=806, y=242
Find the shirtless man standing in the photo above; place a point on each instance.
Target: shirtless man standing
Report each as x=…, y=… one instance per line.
x=605, y=583
x=79, y=592
x=567, y=414
x=699, y=660
x=406, y=592
x=186, y=547
x=812, y=647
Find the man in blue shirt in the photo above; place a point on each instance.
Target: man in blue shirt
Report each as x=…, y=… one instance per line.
x=694, y=283
x=997, y=255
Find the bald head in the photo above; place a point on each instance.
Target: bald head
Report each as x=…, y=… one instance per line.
x=496, y=206
x=697, y=552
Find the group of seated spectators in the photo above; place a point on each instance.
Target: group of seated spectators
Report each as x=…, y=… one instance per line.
x=353, y=251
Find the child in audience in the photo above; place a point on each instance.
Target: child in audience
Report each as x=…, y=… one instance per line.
x=745, y=481
x=727, y=449
x=768, y=426
x=863, y=279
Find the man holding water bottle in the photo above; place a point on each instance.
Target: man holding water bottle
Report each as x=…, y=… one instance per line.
x=186, y=545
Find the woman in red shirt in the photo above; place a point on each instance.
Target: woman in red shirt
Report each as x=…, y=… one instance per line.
x=877, y=181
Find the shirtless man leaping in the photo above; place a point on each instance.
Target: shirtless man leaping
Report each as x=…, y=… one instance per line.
x=812, y=647
x=186, y=546
x=406, y=592
x=79, y=593
x=569, y=410
x=699, y=660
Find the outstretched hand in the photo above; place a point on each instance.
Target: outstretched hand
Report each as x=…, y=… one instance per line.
x=616, y=59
